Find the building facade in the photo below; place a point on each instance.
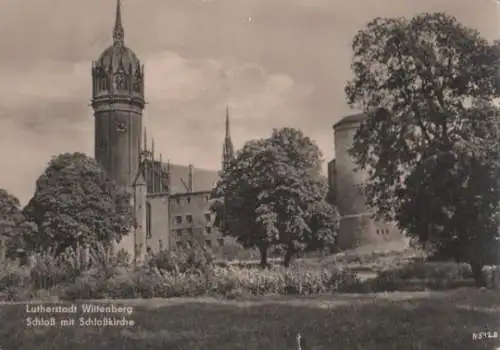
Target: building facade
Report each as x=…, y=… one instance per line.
x=171, y=202
x=357, y=227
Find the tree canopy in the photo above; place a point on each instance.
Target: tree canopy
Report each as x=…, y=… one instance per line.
x=76, y=203
x=273, y=196
x=13, y=224
x=430, y=144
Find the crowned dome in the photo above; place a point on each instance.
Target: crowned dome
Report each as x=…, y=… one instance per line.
x=118, y=57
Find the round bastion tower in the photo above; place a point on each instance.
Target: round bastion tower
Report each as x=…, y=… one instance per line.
x=118, y=103
x=357, y=228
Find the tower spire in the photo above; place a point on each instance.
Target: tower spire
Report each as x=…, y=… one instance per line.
x=227, y=149
x=118, y=31
x=227, y=123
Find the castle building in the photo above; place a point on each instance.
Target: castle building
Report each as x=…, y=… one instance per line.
x=357, y=227
x=171, y=202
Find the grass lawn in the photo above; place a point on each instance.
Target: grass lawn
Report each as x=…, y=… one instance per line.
x=397, y=321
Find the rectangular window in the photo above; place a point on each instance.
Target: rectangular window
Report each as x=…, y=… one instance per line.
x=208, y=230
x=189, y=231
x=178, y=244
x=178, y=201
x=189, y=218
x=188, y=200
x=178, y=219
x=148, y=220
x=179, y=233
x=160, y=245
x=221, y=241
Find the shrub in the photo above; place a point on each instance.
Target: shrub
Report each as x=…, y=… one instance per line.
x=492, y=276
x=227, y=282
x=122, y=284
x=277, y=280
x=85, y=287
x=435, y=270
x=232, y=250
x=49, y=271
x=15, y=281
x=422, y=275
x=183, y=260
x=66, y=268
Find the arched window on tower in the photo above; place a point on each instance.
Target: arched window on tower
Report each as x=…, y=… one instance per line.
x=104, y=83
x=126, y=82
x=137, y=85
x=120, y=81
x=101, y=79
x=148, y=220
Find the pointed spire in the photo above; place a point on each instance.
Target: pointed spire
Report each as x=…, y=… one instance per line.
x=227, y=148
x=153, y=149
x=118, y=31
x=227, y=123
x=145, y=141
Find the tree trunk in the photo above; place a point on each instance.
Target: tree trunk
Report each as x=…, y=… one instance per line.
x=263, y=256
x=477, y=274
x=288, y=257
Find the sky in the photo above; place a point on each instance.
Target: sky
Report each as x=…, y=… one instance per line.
x=276, y=63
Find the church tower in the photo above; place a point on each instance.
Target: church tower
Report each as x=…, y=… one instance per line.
x=227, y=148
x=118, y=103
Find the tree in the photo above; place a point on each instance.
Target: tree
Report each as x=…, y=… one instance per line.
x=13, y=224
x=430, y=143
x=77, y=204
x=273, y=196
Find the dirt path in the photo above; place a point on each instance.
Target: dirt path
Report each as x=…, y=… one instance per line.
x=322, y=301
x=464, y=297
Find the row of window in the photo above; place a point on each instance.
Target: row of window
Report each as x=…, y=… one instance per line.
x=187, y=200
x=186, y=244
x=120, y=82
x=382, y=231
x=189, y=218
x=189, y=231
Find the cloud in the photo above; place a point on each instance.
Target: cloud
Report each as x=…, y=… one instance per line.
x=46, y=111
x=287, y=67
x=45, y=81
x=171, y=77
x=188, y=126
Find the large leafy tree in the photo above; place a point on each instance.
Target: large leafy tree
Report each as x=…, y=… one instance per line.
x=430, y=143
x=13, y=224
x=76, y=203
x=273, y=196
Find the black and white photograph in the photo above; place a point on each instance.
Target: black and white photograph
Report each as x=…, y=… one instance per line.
x=249, y=174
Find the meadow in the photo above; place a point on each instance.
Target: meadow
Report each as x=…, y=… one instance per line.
x=400, y=320
x=393, y=299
